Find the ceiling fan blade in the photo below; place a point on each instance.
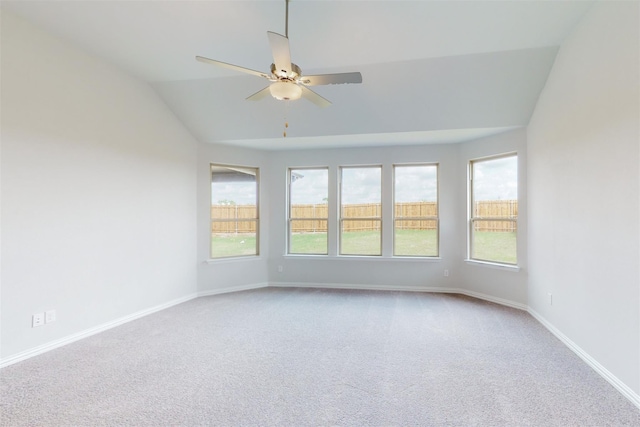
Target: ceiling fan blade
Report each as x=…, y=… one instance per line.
x=262, y=93
x=310, y=95
x=281, y=53
x=231, y=66
x=331, y=79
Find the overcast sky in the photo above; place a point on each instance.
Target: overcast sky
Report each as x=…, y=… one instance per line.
x=496, y=179
x=493, y=180
x=310, y=187
x=240, y=193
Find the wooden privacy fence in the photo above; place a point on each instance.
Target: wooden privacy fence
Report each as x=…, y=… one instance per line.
x=233, y=219
x=309, y=218
x=495, y=209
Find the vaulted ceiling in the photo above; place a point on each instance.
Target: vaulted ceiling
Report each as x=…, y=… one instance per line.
x=433, y=71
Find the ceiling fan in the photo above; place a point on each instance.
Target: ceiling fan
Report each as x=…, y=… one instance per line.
x=287, y=81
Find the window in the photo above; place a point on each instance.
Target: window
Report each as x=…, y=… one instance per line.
x=308, y=210
x=415, y=220
x=234, y=211
x=493, y=209
x=360, y=210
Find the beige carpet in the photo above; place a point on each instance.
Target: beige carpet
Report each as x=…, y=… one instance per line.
x=302, y=357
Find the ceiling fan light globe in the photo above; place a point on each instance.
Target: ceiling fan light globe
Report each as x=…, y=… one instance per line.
x=285, y=91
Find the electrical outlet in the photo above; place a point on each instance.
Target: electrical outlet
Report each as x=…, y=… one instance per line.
x=550, y=298
x=49, y=316
x=446, y=273
x=280, y=269
x=37, y=320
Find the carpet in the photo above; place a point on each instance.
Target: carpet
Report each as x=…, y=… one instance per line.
x=316, y=357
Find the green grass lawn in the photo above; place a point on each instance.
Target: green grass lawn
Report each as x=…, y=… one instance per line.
x=228, y=245
x=361, y=243
x=495, y=246
x=489, y=246
x=416, y=243
x=308, y=243
x=408, y=243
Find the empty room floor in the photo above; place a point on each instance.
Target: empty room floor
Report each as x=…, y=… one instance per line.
x=297, y=357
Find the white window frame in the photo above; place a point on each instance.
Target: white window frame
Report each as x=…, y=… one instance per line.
x=256, y=220
x=341, y=219
x=435, y=218
x=473, y=219
x=291, y=219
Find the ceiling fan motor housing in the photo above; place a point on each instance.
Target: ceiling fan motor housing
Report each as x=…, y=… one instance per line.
x=292, y=74
x=285, y=90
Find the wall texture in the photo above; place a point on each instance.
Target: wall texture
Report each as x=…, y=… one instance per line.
x=98, y=192
x=583, y=144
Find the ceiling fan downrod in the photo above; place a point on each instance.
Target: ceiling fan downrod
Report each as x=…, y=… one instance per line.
x=286, y=18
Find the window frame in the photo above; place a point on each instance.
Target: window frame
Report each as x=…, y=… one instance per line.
x=290, y=218
x=255, y=219
x=473, y=219
x=436, y=218
x=341, y=219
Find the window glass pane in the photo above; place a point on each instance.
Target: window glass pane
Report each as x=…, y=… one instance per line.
x=494, y=188
x=309, y=186
x=234, y=211
x=308, y=237
x=416, y=199
x=361, y=191
x=417, y=183
x=494, y=241
x=361, y=237
x=229, y=244
x=308, y=211
x=416, y=238
x=495, y=179
x=361, y=210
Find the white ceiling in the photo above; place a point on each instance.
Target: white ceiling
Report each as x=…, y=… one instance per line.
x=433, y=71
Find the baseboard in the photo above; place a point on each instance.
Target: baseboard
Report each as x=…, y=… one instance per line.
x=89, y=332
x=442, y=290
x=229, y=289
x=496, y=300
x=604, y=372
x=354, y=286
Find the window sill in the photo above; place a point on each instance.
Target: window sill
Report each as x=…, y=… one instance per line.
x=233, y=259
x=506, y=267
x=362, y=258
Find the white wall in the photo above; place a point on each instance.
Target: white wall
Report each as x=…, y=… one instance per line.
x=98, y=192
x=583, y=190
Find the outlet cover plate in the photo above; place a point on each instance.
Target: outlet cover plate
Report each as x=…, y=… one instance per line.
x=37, y=320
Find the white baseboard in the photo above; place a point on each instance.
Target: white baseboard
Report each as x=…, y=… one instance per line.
x=493, y=299
x=604, y=372
x=91, y=331
x=441, y=290
x=350, y=286
x=229, y=289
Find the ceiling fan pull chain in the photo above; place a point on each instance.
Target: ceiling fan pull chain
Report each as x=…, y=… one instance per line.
x=286, y=113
